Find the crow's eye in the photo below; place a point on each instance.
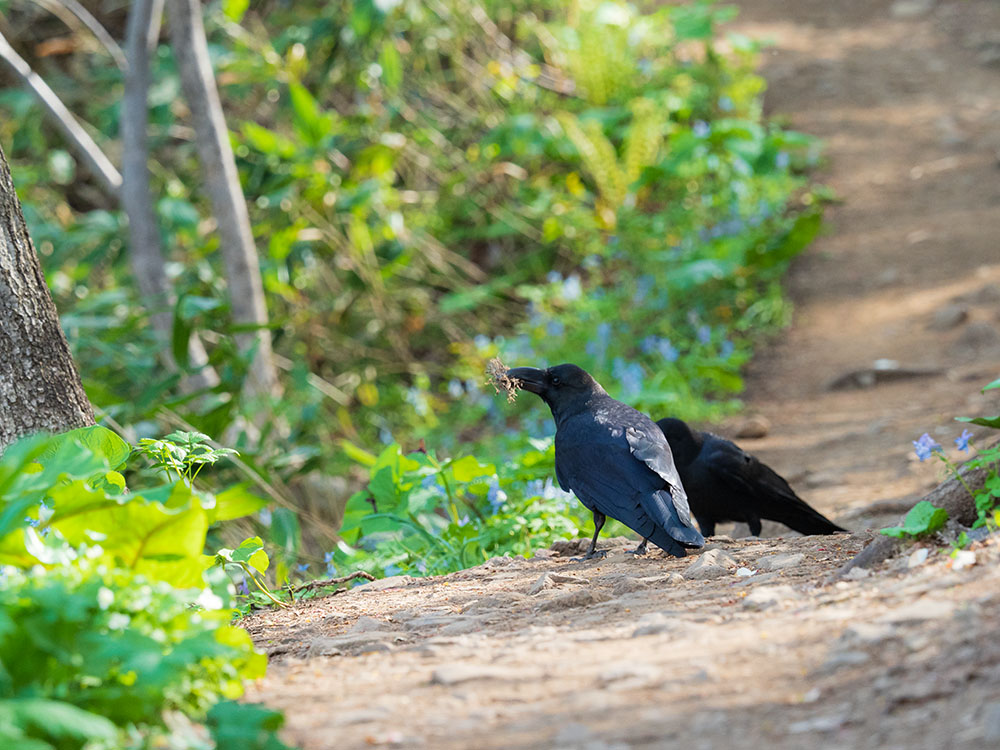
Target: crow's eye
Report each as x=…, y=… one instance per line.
x=555, y=380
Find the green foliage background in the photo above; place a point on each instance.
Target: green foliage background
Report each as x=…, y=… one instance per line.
x=432, y=184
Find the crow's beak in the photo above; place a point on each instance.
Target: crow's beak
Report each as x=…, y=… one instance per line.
x=528, y=378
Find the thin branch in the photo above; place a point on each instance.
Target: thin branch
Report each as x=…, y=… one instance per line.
x=70, y=11
x=98, y=164
x=145, y=251
x=311, y=585
x=222, y=182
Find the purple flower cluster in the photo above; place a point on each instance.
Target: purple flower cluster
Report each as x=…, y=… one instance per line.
x=926, y=446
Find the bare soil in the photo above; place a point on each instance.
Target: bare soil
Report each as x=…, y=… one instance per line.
x=757, y=644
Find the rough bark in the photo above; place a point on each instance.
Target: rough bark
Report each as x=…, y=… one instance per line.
x=950, y=495
x=145, y=250
x=40, y=389
x=246, y=292
x=89, y=152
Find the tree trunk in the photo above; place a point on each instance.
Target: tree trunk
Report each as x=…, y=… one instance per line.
x=40, y=389
x=246, y=291
x=145, y=251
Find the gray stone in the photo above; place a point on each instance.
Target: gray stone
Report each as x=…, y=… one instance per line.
x=867, y=633
x=712, y=564
x=541, y=583
x=454, y=674
x=977, y=338
x=765, y=597
x=353, y=642
x=386, y=583
x=462, y=624
x=948, y=317
x=911, y=8
x=991, y=722
x=628, y=585
x=780, y=562
x=753, y=427
x=840, y=659
x=366, y=624
x=655, y=623
x=919, y=611
x=572, y=600
x=548, y=580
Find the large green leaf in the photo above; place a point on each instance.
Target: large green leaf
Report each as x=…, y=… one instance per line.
x=63, y=723
x=235, y=502
x=923, y=518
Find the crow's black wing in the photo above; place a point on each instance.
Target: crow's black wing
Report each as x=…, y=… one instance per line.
x=650, y=447
x=767, y=493
x=604, y=474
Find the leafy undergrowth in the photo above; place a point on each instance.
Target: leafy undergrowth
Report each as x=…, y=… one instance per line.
x=114, y=626
x=432, y=186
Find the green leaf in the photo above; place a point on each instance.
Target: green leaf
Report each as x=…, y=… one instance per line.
x=267, y=141
x=64, y=723
x=236, y=502
x=392, y=65
x=468, y=468
x=359, y=455
x=991, y=386
x=99, y=440
x=245, y=726
x=993, y=422
x=923, y=518
x=311, y=123
x=235, y=9
x=259, y=560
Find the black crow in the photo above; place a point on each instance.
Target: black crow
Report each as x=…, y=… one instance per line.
x=614, y=458
x=725, y=483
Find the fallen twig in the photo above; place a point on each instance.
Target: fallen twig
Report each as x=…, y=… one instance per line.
x=311, y=585
x=496, y=373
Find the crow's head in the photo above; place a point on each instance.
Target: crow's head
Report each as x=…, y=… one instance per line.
x=560, y=386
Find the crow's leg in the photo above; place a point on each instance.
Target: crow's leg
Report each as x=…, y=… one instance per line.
x=706, y=525
x=754, y=523
x=599, y=519
x=640, y=550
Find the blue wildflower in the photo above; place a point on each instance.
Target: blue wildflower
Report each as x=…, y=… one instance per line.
x=553, y=277
x=302, y=568
x=264, y=516
x=926, y=446
x=962, y=441
x=331, y=569
x=572, y=289
x=421, y=567
x=701, y=128
x=704, y=334
x=667, y=350
x=725, y=103
x=496, y=496
x=481, y=341
x=33, y=522
x=782, y=160
x=243, y=588
x=455, y=389
x=554, y=329
x=726, y=349
x=463, y=521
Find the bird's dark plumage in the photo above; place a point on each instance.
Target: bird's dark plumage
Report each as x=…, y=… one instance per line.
x=614, y=458
x=725, y=483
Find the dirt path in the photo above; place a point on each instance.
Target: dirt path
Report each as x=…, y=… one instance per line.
x=652, y=653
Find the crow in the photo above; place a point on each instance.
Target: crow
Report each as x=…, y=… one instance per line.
x=728, y=484
x=614, y=458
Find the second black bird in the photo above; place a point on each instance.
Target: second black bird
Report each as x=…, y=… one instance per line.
x=614, y=458
x=725, y=483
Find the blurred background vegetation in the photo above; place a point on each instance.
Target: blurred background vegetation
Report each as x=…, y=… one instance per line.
x=431, y=183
